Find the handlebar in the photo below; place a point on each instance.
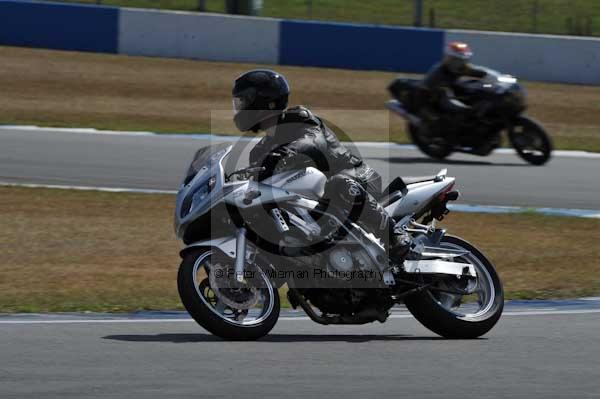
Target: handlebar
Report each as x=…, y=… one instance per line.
x=246, y=171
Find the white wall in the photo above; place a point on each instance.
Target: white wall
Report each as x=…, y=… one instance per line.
x=220, y=37
x=200, y=36
x=535, y=57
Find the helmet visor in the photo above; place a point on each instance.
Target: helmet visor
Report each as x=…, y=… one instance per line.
x=243, y=101
x=455, y=64
x=238, y=104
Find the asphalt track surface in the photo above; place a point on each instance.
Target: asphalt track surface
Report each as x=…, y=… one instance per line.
x=529, y=354
x=158, y=162
x=543, y=350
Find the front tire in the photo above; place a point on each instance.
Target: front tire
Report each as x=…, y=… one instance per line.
x=211, y=312
x=441, y=312
x=530, y=139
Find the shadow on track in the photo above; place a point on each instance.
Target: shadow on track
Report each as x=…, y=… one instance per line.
x=424, y=160
x=184, y=338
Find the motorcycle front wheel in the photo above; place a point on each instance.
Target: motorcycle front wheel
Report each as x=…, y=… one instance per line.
x=461, y=316
x=530, y=139
x=215, y=300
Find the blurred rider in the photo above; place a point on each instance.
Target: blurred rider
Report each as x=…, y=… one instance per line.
x=442, y=77
x=296, y=138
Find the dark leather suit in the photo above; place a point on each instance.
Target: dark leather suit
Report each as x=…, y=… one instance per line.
x=440, y=81
x=301, y=139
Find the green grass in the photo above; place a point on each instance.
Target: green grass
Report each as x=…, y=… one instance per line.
x=575, y=143
x=553, y=16
x=66, y=250
x=116, y=92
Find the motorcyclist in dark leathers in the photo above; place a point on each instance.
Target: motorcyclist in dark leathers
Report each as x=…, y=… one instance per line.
x=442, y=77
x=296, y=138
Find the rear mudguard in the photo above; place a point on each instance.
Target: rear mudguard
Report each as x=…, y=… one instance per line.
x=418, y=198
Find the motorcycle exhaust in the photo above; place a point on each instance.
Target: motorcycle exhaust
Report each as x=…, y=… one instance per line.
x=362, y=317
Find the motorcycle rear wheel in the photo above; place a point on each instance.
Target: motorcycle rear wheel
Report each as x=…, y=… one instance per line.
x=434, y=147
x=530, y=139
x=442, y=313
x=243, y=323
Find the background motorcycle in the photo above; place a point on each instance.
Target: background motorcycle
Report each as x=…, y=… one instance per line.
x=501, y=101
x=245, y=239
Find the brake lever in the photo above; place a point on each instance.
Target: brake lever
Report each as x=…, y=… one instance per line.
x=246, y=171
x=255, y=169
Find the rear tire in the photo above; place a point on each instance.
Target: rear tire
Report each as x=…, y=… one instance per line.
x=436, y=147
x=530, y=139
x=207, y=317
x=429, y=311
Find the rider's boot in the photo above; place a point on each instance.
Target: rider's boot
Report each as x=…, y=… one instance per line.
x=357, y=204
x=399, y=244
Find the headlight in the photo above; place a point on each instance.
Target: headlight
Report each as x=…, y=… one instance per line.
x=203, y=192
x=199, y=196
x=196, y=199
x=507, y=79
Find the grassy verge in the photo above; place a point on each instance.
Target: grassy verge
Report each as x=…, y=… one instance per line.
x=66, y=89
x=503, y=15
x=72, y=251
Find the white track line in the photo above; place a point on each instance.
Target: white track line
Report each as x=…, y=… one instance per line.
x=29, y=128
x=89, y=188
x=501, y=209
x=284, y=318
x=366, y=144
x=469, y=208
x=96, y=321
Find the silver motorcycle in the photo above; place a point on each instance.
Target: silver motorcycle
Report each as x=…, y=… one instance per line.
x=245, y=240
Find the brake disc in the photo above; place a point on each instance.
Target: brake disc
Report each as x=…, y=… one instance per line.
x=236, y=295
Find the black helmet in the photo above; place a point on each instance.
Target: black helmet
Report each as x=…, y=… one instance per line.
x=258, y=95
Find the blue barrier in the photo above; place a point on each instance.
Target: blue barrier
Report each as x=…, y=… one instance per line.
x=32, y=23
x=59, y=26
x=355, y=46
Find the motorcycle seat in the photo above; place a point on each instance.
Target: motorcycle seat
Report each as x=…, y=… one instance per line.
x=393, y=192
x=418, y=179
x=397, y=188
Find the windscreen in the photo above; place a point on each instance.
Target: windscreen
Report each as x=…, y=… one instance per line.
x=496, y=77
x=206, y=158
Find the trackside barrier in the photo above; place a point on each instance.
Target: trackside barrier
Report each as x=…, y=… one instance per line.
x=59, y=26
x=221, y=37
x=353, y=46
x=562, y=59
x=213, y=37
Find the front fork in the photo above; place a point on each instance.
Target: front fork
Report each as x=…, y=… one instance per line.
x=240, y=249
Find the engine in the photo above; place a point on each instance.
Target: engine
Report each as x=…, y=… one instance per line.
x=343, y=259
x=349, y=263
x=347, y=282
